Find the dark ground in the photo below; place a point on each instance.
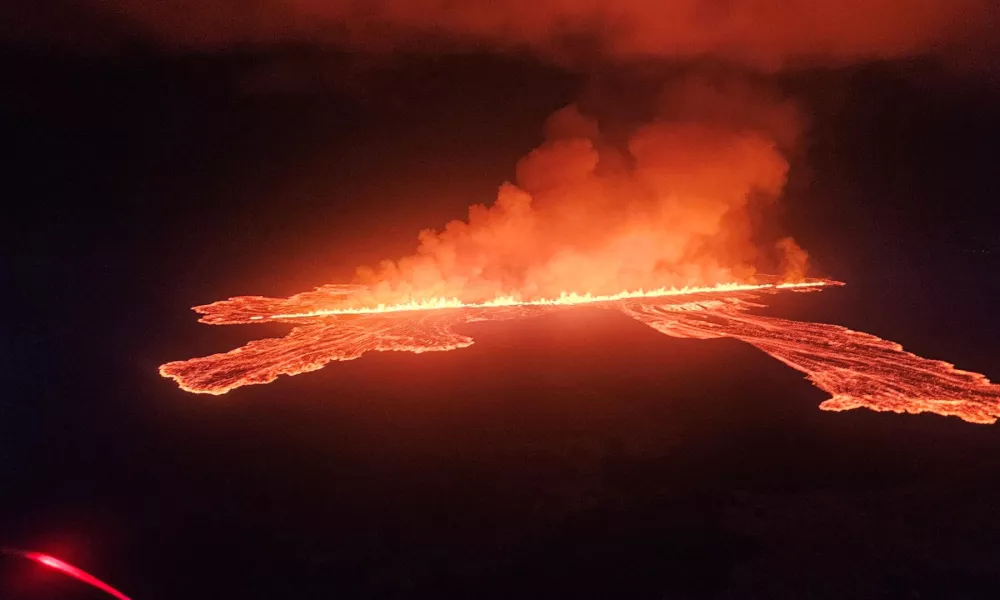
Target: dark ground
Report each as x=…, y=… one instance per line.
x=576, y=455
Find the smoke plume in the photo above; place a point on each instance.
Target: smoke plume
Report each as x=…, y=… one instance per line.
x=673, y=204
x=600, y=207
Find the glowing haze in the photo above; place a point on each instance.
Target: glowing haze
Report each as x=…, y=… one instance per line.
x=759, y=33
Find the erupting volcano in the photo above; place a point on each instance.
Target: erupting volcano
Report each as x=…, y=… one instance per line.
x=648, y=227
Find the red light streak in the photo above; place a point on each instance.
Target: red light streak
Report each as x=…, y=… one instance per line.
x=74, y=572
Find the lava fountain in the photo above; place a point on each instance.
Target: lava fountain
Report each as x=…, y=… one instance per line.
x=856, y=369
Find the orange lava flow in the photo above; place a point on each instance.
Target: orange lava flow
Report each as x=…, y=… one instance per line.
x=857, y=369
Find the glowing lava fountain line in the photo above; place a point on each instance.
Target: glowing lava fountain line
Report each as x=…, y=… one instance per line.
x=856, y=369
x=564, y=299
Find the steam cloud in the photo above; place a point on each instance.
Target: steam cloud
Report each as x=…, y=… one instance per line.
x=673, y=205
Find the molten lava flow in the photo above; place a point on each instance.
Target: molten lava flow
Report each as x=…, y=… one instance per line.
x=323, y=334
x=857, y=369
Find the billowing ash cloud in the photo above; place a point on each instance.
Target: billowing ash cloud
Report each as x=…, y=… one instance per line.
x=673, y=204
x=764, y=33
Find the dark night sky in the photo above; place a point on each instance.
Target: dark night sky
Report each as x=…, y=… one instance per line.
x=579, y=454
